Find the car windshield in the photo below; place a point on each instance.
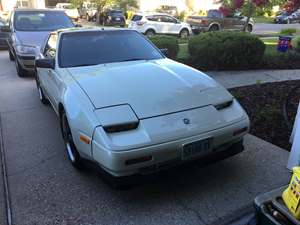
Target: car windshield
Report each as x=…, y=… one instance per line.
x=116, y=12
x=41, y=21
x=285, y=14
x=100, y=47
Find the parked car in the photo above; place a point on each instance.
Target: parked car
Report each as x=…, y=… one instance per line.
x=112, y=17
x=88, y=10
x=28, y=29
x=168, y=9
x=283, y=17
x=215, y=20
x=3, y=35
x=157, y=23
x=125, y=106
x=69, y=9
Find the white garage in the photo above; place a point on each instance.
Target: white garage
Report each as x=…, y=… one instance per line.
x=8, y=5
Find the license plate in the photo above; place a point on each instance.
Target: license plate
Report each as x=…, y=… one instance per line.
x=118, y=19
x=195, y=149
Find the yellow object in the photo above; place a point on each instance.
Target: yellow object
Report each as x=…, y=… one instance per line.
x=291, y=196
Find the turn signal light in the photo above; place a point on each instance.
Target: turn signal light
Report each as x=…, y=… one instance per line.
x=85, y=139
x=121, y=127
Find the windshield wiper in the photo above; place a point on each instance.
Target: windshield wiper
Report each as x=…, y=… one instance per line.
x=86, y=64
x=132, y=59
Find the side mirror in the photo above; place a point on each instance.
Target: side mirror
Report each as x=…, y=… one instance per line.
x=45, y=63
x=164, y=51
x=5, y=29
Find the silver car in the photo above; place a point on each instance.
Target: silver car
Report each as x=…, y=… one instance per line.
x=28, y=30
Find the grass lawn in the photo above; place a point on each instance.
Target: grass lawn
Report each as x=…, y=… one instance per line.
x=263, y=19
x=271, y=45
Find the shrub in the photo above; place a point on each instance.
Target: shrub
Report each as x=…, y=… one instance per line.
x=288, y=31
x=288, y=60
x=225, y=50
x=297, y=44
x=168, y=42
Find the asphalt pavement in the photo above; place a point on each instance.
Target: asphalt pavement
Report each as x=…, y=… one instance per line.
x=46, y=189
x=272, y=28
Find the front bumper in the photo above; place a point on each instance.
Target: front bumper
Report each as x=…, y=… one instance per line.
x=198, y=29
x=26, y=62
x=169, y=154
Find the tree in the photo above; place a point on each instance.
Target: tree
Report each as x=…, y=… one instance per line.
x=124, y=4
x=77, y=3
x=292, y=5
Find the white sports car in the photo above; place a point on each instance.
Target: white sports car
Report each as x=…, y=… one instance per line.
x=125, y=106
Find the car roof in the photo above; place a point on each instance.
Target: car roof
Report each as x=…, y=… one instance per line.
x=153, y=14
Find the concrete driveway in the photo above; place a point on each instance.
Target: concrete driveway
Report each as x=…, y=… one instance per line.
x=45, y=189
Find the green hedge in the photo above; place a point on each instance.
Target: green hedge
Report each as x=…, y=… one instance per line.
x=168, y=42
x=288, y=60
x=225, y=50
x=297, y=44
x=288, y=31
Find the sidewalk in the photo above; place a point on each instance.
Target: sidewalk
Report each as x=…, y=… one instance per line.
x=231, y=79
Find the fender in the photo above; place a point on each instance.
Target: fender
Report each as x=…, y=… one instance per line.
x=214, y=23
x=81, y=116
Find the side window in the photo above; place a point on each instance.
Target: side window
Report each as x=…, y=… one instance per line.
x=50, y=48
x=168, y=19
x=152, y=18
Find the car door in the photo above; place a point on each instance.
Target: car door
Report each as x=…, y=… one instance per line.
x=49, y=79
x=170, y=25
x=156, y=22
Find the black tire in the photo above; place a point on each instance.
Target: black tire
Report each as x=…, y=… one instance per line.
x=70, y=148
x=184, y=33
x=42, y=96
x=150, y=32
x=20, y=71
x=11, y=56
x=214, y=27
x=249, y=28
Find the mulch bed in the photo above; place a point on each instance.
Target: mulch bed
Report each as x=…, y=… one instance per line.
x=264, y=105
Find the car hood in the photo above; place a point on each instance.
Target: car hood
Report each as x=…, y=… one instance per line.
x=35, y=39
x=151, y=88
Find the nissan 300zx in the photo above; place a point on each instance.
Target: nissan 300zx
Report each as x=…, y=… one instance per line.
x=125, y=106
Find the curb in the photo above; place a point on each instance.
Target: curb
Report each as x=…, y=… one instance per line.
x=5, y=180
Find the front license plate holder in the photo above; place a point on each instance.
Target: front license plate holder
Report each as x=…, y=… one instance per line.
x=196, y=148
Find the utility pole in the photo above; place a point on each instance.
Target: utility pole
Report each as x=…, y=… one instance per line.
x=250, y=11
